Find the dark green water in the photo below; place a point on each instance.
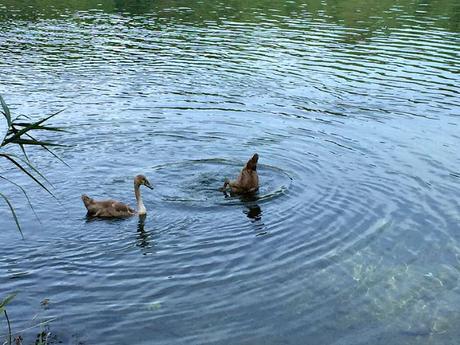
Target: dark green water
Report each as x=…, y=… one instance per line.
x=353, y=107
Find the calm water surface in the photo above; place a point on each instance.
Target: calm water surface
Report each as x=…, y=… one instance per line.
x=353, y=107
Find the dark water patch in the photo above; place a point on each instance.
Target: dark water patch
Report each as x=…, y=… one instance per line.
x=454, y=174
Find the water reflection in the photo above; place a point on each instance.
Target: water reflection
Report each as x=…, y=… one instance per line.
x=143, y=237
x=252, y=208
x=90, y=219
x=352, y=14
x=253, y=212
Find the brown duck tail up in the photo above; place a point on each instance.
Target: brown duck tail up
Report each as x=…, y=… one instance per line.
x=252, y=163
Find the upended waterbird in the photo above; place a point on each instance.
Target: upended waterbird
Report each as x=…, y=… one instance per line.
x=116, y=209
x=247, y=181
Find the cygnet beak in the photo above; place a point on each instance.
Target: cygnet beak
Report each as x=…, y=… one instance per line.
x=147, y=184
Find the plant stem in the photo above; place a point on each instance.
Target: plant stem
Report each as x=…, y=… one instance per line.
x=9, y=327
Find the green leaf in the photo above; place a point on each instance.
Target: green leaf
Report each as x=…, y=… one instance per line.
x=23, y=149
x=31, y=126
x=21, y=141
x=6, y=111
x=9, y=157
x=7, y=300
x=13, y=213
x=25, y=194
x=46, y=128
x=17, y=132
x=47, y=149
x=20, y=117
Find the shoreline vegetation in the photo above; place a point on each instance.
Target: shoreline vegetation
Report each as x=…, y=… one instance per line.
x=21, y=132
x=353, y=14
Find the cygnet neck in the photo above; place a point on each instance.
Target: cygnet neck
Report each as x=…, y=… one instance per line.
x=140, y=204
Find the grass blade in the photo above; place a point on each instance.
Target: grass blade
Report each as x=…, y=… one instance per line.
x=7, y=300
x=8, y=156
x=6, y=111
x=23, y=149
x=25, y=194
x=10, y=335
x=29, y=164
x=21, y=141
x=46, y=128
x=51, y=152
x=20, y=117
x=15, y=219
x=18, y=134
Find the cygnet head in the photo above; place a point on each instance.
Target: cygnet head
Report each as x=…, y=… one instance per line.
x=142, y=180
x=86, y=199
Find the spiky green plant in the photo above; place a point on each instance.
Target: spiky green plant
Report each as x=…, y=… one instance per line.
x=21, y=132
x=3, y=304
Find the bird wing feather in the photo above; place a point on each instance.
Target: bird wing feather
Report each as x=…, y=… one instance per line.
x=110, y=209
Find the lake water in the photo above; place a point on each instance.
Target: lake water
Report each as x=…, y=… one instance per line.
x=353, y=107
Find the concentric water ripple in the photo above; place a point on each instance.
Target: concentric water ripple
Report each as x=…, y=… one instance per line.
x=197, y=182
